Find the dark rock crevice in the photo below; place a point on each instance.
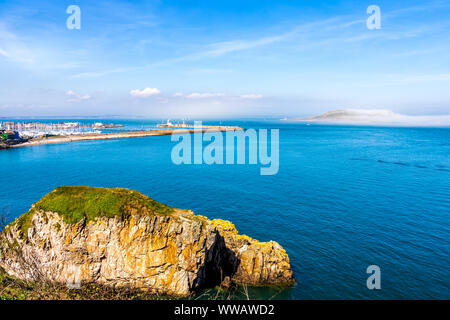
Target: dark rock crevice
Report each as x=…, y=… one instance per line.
x=220, y=263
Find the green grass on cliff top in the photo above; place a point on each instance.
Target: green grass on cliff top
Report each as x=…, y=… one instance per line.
x=76, y=203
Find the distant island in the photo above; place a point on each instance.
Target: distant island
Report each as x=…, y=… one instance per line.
x=374, y=117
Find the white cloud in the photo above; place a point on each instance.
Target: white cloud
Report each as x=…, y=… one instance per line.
x=251, y=96
x=147, y=92
x=197, y=95
x=76, y=97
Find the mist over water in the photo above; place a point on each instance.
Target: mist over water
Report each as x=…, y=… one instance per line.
x=379, y=117
x=345, y=197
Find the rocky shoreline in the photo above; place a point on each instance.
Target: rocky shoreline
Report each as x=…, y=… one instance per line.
x=121, y=238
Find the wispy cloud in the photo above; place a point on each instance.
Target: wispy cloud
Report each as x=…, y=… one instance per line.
x=320, y=33
x=4, y=53
x=13, y=48
x=76, y=97
x=285, y=55
x=251, y=96
x=387, y=80
x=419, y=52
x=29, y=55
x=97, y=74
x=225, y=47
x=221, y=48
x=429, y=6
x=210, y=95
x=198, y=95
x=425, y=78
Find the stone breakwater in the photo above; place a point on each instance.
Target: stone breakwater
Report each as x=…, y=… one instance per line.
x=158, y=249
x=121, y=135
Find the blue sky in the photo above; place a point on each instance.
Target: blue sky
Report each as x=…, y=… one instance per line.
x=223, y=58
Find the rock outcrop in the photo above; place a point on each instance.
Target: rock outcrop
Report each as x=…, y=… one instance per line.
x=119, y=237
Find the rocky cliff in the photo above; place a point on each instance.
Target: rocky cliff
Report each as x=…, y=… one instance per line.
x=119, y=237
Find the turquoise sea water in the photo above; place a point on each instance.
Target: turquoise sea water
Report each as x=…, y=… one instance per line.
x=345, y=197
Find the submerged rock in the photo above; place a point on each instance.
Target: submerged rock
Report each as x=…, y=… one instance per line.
x=119, y=237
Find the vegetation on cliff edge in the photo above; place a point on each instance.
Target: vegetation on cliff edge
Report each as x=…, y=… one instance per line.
x=12, y=288
x=77, y=203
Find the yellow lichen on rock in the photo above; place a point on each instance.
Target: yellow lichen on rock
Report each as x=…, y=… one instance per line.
x=174, y=254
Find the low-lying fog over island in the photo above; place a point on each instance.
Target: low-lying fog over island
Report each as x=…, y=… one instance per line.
x=376, y=117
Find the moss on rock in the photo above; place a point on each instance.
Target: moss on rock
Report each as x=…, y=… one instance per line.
x=77, y=203
x=74, y=232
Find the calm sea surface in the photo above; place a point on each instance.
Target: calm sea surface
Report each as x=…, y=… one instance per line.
x=345, y=197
